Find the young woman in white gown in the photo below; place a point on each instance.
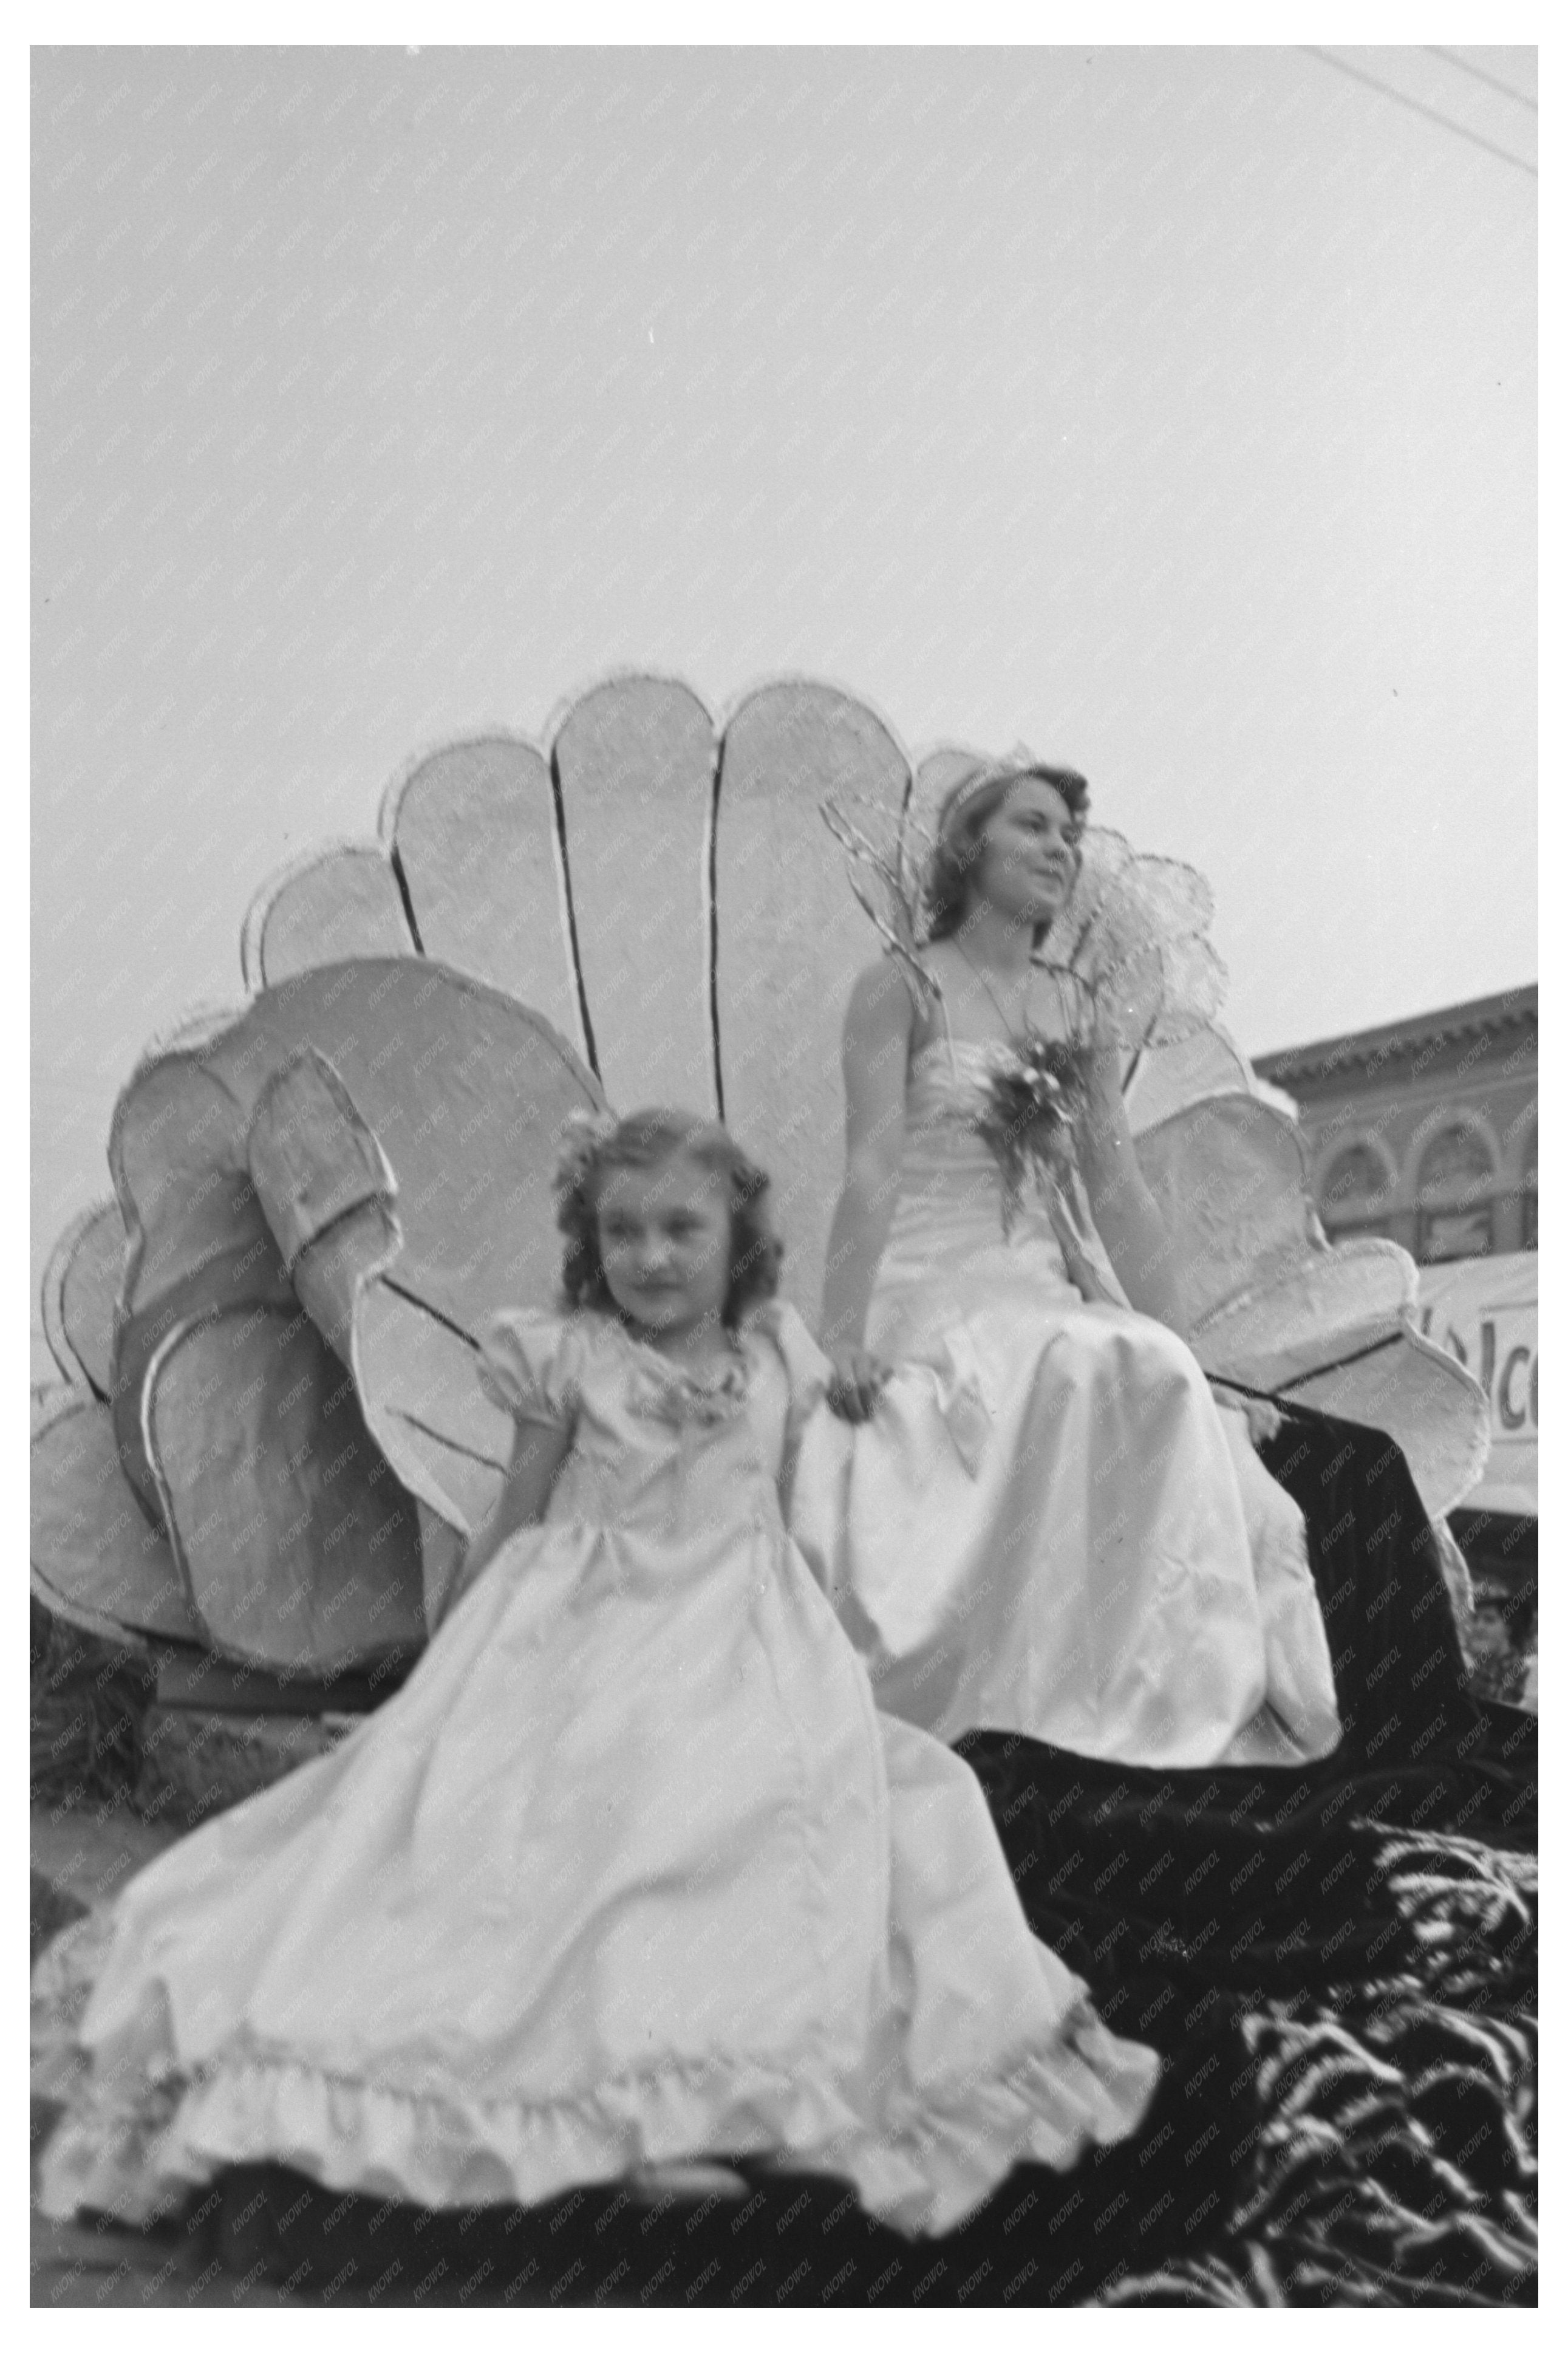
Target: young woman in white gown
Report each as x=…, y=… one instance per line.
x=1043, y=1522
x=631, y=1872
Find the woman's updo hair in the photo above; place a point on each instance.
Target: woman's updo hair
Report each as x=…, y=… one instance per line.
x=960, y=835
x=645, y=1140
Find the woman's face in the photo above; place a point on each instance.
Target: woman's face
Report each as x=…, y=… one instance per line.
x=1029, y=860
x=664, y=1243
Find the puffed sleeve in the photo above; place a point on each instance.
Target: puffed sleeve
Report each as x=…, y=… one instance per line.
x=529, y=1366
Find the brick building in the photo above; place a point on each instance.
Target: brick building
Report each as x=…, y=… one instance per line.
x=1425, y=1131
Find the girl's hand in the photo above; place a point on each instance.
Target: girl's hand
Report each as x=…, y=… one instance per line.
x=858, y=1380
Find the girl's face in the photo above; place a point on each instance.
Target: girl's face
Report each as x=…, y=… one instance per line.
x=1029, y=860
x=664, y=1242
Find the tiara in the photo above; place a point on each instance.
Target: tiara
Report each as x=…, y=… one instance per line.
x=1020, y=762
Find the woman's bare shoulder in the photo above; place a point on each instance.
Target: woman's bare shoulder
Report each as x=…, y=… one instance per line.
x=884, y=996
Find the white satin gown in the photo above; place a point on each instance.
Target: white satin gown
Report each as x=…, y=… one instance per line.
x=1048, y=1526
x=630, y=1870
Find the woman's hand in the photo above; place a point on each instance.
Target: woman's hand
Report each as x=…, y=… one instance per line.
x=858, y=1380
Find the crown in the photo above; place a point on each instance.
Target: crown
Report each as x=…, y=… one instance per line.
x=1020, y=762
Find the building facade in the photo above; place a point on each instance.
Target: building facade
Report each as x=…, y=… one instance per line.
x=1424, y=1130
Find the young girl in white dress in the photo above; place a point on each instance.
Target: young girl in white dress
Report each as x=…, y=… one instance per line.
x=1044, y=1524
x=631, y=1872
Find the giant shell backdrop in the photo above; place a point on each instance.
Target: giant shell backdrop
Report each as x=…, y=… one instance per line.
x=270, y=1442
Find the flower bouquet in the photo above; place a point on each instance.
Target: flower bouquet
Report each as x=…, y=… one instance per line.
x=1035, y=1094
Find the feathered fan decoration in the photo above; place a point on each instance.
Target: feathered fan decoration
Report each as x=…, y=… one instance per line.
x=1131, y=936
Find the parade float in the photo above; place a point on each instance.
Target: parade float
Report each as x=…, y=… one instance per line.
x=256, y=1477
x=268, y=1445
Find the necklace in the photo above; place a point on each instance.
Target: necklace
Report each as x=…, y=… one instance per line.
x=677, y=1395
x=991, y=993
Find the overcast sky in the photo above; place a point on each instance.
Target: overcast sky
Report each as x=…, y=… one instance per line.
x=1172, y=410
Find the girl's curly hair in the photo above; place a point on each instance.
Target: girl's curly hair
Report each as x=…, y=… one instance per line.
x=644, y=1140
x=960, y=837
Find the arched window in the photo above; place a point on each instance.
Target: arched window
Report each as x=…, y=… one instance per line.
x=1356, y=1178
x=1454, y=1190
x=1351, y=1195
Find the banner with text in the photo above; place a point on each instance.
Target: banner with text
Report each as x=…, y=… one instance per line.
x=1483, y=1310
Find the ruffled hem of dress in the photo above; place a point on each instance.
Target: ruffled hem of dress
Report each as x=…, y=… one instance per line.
x=135, y=2146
